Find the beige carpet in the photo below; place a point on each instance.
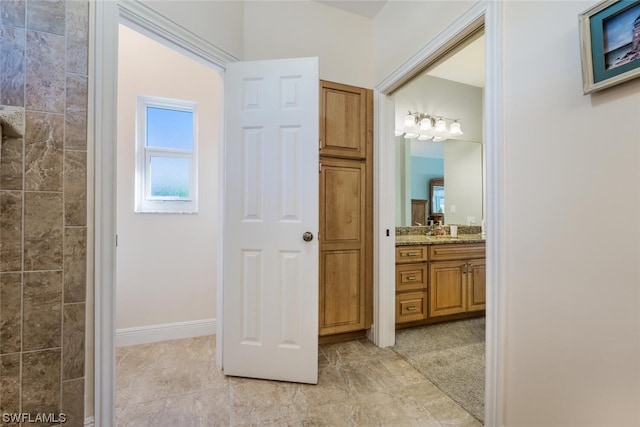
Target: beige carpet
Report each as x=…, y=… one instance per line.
x=452, y=356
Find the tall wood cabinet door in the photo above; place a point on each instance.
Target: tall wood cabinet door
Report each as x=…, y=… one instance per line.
x=342, y=246
x=343, y=120
x=447, y=288
x=476, y=285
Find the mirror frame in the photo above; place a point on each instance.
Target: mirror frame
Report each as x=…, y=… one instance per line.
x=435, y=182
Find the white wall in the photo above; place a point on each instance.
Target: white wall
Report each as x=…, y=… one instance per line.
x=165, y=262
x=403, y=182
x=220, y=22
x=463, y=178
x=343, y=41
x=573, y=331
x=572, y=337
x=254, y=30
x=402, y=27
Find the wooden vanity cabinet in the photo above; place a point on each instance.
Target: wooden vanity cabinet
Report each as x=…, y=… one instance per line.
x=346, y=210
x=476, y=285
x=456, y=279
x=411, y=307
x=439, y=280
x=411, y=283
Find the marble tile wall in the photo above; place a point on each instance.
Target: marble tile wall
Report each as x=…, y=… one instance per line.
x=43, y=206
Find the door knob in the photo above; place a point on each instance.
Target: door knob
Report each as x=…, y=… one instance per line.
x=307, y=236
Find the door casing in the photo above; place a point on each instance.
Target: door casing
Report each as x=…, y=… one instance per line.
x=485, y=14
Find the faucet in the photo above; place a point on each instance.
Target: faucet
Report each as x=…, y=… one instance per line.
x=418, y=224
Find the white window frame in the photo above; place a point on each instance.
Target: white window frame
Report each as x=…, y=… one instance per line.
x=145, y=202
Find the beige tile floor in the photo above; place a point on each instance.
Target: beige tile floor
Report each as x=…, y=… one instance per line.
x=176, y=383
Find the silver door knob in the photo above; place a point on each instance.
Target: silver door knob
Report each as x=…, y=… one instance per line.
x=307, y=236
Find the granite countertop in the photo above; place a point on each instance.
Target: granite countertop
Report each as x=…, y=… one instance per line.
x=421, y=239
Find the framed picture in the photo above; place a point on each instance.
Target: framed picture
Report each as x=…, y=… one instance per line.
x=610, y=44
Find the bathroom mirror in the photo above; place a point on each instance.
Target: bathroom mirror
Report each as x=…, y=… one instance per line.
x=460, y=162
x=436, y=193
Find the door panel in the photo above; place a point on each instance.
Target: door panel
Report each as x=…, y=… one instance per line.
x=447, y=291
x=342, y=232
x=411, y=277
x=270, y=317
x=341, y=299
x=411, y=306
x=477, y=285
x=343, y=211
x=343, y=127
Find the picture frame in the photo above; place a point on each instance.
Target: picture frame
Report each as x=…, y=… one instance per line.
x=610, y=44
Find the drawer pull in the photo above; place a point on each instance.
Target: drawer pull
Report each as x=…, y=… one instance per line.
x=413, y=253
x=411, y=277
x=412, y=308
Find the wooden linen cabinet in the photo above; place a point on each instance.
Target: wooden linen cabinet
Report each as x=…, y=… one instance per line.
x=346, y=211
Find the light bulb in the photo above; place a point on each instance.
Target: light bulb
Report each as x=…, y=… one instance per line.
x=441, y=126
x=455, y=130
x=425, y=137
x=409, y=135
x=425, y=124
x=409, y=121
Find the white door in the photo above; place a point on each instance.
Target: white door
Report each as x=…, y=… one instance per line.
x=270, y=320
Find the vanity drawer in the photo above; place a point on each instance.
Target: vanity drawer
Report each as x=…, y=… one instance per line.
x=405, y=254
x=411, y=306
x=456, y=251
x=411, y=277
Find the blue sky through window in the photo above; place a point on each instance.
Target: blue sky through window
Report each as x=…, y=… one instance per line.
x=168, y=128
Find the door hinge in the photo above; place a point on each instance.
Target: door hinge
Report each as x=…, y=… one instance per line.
x=319, y=167
x=116, y=240
x=320, y=145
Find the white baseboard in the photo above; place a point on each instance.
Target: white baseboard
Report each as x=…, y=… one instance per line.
x=165, y=331
x=89, y=422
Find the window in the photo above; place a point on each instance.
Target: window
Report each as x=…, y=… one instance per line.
x=166, y=162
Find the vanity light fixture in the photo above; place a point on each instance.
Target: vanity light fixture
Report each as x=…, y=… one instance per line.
x=427, y=127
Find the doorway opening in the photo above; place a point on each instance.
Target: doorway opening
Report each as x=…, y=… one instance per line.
x=166, y=265
x=109, y=15
x=483, y=16
x=448, y=345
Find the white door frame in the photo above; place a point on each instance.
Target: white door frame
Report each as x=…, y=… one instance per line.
x=103, y=74
x=490, y=14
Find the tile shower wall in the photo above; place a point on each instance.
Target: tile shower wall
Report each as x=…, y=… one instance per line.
x=43, y=208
